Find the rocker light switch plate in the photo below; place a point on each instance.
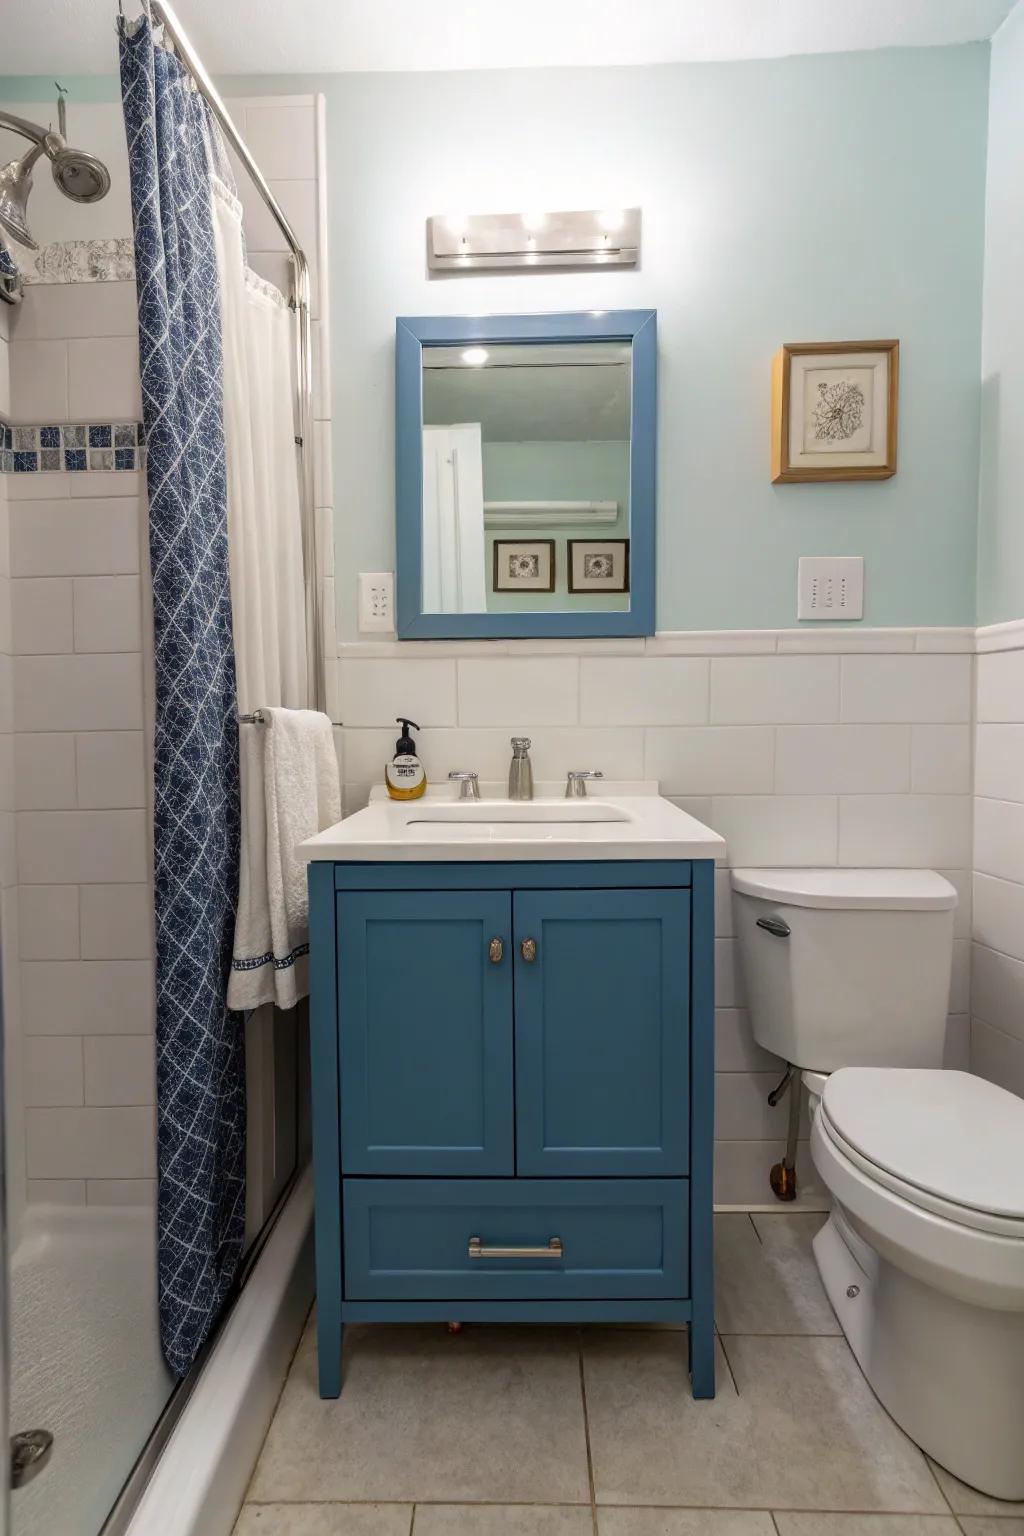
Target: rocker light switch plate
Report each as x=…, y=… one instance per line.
x=830, y=587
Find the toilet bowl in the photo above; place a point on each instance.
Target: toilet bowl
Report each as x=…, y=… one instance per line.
x=847, y=976
x=923, y=1257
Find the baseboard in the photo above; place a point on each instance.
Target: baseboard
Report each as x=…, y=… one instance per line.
x=199, y=1482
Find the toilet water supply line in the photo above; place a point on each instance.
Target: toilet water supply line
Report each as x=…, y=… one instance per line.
x=783, y=1175
x=163, y=14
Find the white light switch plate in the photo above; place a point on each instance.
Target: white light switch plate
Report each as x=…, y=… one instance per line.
x=376, y=601
x=830, y=587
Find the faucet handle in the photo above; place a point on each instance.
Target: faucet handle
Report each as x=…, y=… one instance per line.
x=521, y=743
x=576, y=782
x=468, y=782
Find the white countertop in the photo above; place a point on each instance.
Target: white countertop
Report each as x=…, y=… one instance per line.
x=616, y=821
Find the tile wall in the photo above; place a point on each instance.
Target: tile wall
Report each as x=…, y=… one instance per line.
x=800, y=748
x=76, y=712
x=997, y=966
x=82, y=785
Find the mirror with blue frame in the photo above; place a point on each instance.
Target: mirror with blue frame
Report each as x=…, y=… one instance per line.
x=525, y=475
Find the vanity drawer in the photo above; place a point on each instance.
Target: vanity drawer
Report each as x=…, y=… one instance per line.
x=411, y=1239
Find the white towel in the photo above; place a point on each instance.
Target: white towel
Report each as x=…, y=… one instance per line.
x=290, y=790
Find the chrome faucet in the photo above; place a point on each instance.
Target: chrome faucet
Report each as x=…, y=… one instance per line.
x=520, y=773
x=576, y=782
x=468, y=782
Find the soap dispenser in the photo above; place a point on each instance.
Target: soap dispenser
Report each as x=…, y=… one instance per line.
x=404, y=774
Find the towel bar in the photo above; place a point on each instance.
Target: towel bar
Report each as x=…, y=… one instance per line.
x=257, y=717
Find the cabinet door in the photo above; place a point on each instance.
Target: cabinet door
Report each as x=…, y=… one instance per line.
x=602, y=1032
x=425, y=1055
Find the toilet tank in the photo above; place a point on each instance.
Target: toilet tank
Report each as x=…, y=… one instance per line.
x=846, y=967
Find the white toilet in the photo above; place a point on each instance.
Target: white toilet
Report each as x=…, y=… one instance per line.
x=847, y=978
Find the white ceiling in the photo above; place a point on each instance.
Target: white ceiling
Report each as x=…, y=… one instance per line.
x=284, y=36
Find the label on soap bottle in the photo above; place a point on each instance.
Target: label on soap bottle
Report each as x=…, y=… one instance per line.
x=404, y=777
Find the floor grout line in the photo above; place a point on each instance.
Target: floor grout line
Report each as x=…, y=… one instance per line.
x=586, y=1434
x=728, y=1364
x=412, y=1520
x=942, y=1493
x=757, y=1234
x=746, y=1509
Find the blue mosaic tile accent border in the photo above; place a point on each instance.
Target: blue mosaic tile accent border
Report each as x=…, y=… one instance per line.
x=116, y=445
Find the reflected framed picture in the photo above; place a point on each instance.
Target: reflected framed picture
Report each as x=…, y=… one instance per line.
x=834, y=410
x=598, y=565
x=524, y=565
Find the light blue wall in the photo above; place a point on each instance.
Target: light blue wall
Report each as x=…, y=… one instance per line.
x=1001, y=500
x=802, y=199
x=821, y=197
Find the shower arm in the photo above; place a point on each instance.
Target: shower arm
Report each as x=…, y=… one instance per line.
x=163, y=14
x=46, y=141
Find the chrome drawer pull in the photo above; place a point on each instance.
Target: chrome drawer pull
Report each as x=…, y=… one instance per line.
x=477, y=1250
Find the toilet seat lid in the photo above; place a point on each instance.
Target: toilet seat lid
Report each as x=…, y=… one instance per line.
x=949, y=1134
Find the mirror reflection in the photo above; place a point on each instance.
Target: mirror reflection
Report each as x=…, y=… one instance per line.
x=526, y=477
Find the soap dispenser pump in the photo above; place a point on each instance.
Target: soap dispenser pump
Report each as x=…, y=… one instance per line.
x=404, y=774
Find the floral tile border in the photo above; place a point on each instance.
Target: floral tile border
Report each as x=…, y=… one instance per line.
x=72, y=446
x=79, y=261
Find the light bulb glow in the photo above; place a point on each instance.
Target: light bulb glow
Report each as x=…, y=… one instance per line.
x=456, y=223
x=475, y=356
x=534, y=221
x=611, y=219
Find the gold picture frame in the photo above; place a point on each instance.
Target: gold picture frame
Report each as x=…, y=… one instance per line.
x=840, y=421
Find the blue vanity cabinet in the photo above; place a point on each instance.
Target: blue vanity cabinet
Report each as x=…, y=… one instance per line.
x=602, y=1032
x=425, y=1054
x=512, y=1095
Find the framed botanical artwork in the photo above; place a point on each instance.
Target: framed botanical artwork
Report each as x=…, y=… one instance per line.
x=524, y=565
x=598, y=565
x=834, y=410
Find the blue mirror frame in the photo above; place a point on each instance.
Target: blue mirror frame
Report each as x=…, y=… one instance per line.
x=638, y=326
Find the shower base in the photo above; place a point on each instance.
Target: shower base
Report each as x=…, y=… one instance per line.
x=86, y=1362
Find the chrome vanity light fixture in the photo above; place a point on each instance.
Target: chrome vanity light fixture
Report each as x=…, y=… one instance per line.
x=598, y=237
x=80, y=176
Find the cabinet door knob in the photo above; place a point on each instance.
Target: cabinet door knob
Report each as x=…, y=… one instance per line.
x=496, y=951
x=528, y=950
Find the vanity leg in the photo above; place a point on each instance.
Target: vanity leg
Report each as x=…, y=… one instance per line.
x=329, y=1338
x=702, y=1356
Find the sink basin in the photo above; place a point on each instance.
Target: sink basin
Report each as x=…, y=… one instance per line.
x=517, y=813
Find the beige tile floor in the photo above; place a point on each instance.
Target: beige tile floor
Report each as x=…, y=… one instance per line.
x=592, y=1431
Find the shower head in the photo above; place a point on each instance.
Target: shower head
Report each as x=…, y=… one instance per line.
x=80, y=176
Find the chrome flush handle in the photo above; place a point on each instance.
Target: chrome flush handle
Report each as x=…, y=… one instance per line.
x=774, y=926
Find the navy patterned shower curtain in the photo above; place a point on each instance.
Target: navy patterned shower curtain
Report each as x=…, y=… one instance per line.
x=200, y=1042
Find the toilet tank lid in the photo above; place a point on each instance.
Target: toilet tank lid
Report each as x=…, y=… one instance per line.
x=909, y=890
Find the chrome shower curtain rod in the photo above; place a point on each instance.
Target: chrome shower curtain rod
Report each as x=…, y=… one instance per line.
x=163, y=13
